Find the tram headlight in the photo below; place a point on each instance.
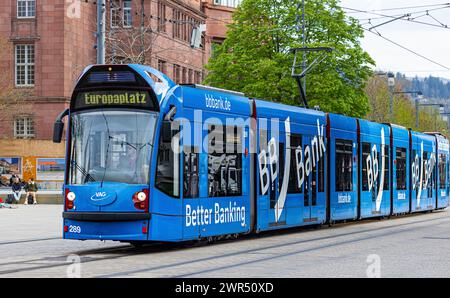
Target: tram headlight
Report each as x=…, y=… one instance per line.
x=71, y=196
x=141, y=199
x=141, y=196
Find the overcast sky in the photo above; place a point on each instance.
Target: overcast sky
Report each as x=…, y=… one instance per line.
x=431, y=42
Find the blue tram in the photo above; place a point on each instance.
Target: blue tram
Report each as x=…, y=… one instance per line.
x=150, y=160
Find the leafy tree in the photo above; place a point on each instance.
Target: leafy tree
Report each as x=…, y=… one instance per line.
x=404, y=108
x=256, y=59
x=432, y=87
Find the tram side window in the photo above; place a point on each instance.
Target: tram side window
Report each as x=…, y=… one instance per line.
x=344, y=165
x=365, y=155
x=224, y=161
x=400, y=156
x=386, y=168
x=442, y=171
x=296, y=142
x=168, y=168
x=190, y=176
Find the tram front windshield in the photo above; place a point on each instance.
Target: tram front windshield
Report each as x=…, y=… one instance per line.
x=111, y=146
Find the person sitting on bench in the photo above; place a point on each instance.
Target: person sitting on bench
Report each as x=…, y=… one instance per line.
x=31, y=189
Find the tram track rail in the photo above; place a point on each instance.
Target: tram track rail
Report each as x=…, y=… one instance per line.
x=89, y=256
x=29, y=240
x=276, y=256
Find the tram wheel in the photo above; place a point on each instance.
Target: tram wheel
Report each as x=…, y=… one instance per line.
x=137, y=244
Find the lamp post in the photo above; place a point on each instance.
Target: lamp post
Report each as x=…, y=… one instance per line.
x=101, y=10
x=391, y=85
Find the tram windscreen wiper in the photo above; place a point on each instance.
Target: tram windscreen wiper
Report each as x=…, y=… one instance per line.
x=86, y=175
x=136, y=146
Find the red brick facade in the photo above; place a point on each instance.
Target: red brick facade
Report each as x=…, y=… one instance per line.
x=63, y=35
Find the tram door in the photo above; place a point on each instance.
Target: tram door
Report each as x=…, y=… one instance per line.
x=310, y=186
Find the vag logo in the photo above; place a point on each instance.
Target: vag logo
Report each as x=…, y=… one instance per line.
x=98, y=196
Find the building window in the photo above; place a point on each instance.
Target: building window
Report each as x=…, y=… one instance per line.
x=161, y=17
x=183, y=25
x=177, y=74
x=229, y=3
x=184, y=79
x=344, y=165
x=26, y=8
x=162, y=66
x=127, y=18
x=198, y=77
x=224, y=161
x=190, y=76
x=121, y=14
x=24, y=127
x=115, y=14
x=24, y=65
x=176, y=23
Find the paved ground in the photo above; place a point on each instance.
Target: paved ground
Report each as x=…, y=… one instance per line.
x=412, y=246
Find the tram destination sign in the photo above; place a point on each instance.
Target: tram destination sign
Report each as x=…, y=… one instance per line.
x=113, y=98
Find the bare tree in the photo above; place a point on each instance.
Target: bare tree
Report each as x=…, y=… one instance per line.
x=126, y=43
x=13, y=101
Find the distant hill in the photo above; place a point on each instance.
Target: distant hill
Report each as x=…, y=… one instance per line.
x=431, y=87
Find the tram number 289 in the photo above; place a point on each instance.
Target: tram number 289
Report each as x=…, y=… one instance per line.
x=75, y=229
